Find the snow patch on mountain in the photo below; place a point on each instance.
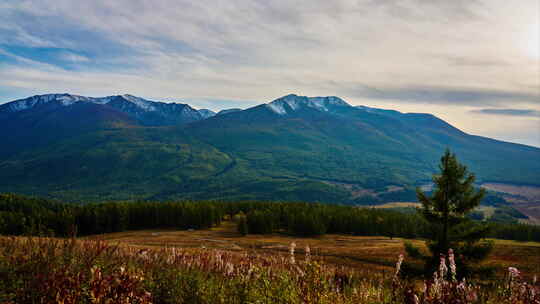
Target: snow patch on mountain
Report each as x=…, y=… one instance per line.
x=205, y=113
x=294, y=103
x=226, y=111
x=378, y=111
x=324, y=102
x=140, y=102
x=277, y=108
x=68, y=100
x=30, y=102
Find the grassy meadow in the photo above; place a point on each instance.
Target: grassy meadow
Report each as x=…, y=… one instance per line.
x=196, y=252
x=218, y=265
x=355, y=252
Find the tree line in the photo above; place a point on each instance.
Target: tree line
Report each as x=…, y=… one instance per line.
x=34, y=216
x=21, y=215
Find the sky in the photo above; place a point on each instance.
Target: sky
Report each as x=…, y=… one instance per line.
x=473, y=63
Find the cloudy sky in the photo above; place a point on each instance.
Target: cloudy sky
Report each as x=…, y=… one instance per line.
x=474, y=63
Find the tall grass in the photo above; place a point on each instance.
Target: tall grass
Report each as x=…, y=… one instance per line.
x=42, y=270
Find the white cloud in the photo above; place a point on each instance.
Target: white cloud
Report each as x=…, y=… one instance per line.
x=72, y=57
x=260, y=50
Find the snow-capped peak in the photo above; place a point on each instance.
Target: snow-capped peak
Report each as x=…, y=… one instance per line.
x=140, y=102
x=69, y=99
x=294, y=102
x=30, y=102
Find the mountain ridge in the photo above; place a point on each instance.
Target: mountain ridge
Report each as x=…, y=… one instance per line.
x=277, y=105
x=309, y=149
x=146, y=111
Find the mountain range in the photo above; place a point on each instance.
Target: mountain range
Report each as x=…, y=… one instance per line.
x=294, y=148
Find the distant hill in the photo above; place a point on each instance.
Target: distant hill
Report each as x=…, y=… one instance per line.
x=293, y=148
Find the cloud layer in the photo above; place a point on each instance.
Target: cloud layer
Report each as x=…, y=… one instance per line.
x=509, y=112
x=409, y=54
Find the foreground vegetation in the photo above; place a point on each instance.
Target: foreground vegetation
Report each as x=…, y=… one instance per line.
x=213, y=270
x=360, y=253
x=43, y=270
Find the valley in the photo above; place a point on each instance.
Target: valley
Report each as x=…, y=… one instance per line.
x=524, y=198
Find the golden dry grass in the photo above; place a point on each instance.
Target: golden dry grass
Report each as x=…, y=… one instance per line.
x=397, y=205
x=360, y=252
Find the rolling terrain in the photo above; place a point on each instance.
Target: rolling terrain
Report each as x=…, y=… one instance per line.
x=292, y=149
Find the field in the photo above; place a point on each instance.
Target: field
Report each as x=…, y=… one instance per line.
x=191, y=252
x=356, y=252
x=218, y=265
x=525, y=199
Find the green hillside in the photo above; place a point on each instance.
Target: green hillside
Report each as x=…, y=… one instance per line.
x=346, y=155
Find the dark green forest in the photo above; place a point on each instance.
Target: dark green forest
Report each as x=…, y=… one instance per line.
x=21, y=215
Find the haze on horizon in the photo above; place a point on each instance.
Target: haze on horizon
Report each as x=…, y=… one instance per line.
x=473, y=63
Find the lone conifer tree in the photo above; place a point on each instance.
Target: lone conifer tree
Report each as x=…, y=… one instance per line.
x=453, y=197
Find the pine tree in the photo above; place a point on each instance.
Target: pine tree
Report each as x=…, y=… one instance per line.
x=445, y=211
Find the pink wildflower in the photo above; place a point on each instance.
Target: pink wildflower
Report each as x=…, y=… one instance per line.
x=291, y=252
x=452, y=262
x=513, y=272
x=442, y=267
x=308, y=253
x=398, y=266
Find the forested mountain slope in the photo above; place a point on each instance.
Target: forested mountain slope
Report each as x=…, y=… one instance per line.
x=294, y=148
